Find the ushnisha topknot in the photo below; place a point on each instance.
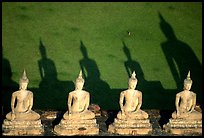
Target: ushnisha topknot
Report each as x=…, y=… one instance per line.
x=24, y=78
x=133, y=77
x=80, y=78
x=188, y=79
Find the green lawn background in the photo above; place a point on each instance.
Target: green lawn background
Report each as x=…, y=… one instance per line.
x=102, y=27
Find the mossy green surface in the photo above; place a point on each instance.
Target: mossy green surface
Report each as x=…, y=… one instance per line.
x=101, y=28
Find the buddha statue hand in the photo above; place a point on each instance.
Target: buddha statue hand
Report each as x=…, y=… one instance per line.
x=183, y=115
x=84, y=111
x=178, y=114
x=191, y=111
x=27, y=111
x=69, y=113
x=188, y=113
x=136, y=110
x=122, y=110
x=13, y=116
x=123, y=114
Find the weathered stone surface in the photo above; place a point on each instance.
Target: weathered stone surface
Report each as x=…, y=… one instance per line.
x=104, y=122
x=77, y=127
x=183, y=126
x=49, y=115
x=20, y=128
x=130, y=127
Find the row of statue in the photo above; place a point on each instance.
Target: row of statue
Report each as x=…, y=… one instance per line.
x=79, y=120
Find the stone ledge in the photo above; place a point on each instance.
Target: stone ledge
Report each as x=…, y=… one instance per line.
x=116, y=120
x=182, y=130
x=60, y=130
x=182, y=121
x=77, y=121
x=16, y=128
x=129, y=130
x=24, y=132
x=105, y=120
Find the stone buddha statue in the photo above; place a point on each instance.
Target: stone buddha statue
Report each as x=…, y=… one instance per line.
x=23, y=98
x=185, y=102
x=78, y=102
x=133, y=101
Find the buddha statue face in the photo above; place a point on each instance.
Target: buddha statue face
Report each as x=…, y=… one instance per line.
x=23, y=85
x=188, y=82
x=132, y=81
x=79, y=84
x=132, y=84
x=23, y=82
x=187, y=86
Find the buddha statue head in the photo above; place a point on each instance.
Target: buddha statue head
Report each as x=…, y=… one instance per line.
x=23, y=82
x=188, y=82
x=79, y=82
x=132, y=81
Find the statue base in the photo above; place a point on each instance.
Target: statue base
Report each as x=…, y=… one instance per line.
x=130, y=127
x=183, y=126
x=71, y=127
x=22, y=128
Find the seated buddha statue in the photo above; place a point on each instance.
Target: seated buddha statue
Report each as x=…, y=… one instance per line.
x=133, y=101
x=78, y=102
x=22, y=103
x=186, y=102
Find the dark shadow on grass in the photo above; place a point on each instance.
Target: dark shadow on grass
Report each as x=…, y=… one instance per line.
x=8, y=86
x=181, y=58
x=52, y=93
x=99, y=90
x=151, y=90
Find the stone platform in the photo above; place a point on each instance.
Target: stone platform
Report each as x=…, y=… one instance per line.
x=181, y=126
x=77, y=127
x=21, y=128
x=130, y=127
x=158, y=118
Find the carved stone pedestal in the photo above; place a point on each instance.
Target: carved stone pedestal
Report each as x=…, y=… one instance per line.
x=77, y=127
x=130, y=127
x=182, y=126
x=20, y=128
